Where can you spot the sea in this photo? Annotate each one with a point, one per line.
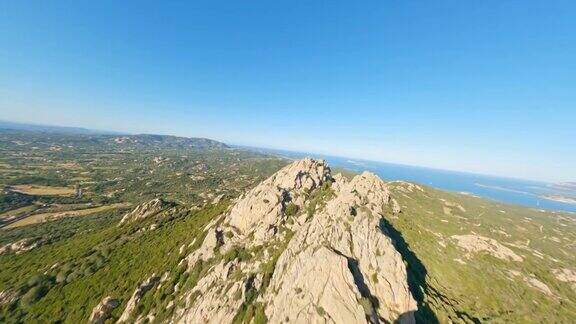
(506, 190)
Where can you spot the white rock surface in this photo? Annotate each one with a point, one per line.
(20, 246)
(102, 311)
(260, 211)
(339, 267)
(145, 210)
(347, 229)
(472, 243)
(142, 289)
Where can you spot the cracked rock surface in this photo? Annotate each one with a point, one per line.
(303, 246)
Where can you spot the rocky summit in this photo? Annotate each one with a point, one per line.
(303, 246)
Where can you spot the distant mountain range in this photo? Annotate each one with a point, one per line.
(37, 135)
(54, 129)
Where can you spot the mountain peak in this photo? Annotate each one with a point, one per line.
(302, 246)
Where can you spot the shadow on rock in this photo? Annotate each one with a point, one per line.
(416, 275)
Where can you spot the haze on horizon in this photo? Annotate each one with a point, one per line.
(480, 87)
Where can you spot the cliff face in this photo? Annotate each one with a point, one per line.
(303, 246)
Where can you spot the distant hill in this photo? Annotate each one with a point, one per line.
(565, 186)
(53, 129)
(38, 136)
(164, 141)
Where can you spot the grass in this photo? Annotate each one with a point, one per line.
(478, 287)
(108, 260)
(19, 211)
(38, 190)
(39, 218)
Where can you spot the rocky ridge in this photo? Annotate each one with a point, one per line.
(301, 246)
(137, 295)
(102, 311)
(21, 246)
(146, 210)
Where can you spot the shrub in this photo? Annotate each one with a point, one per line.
(33, 295)
(38, 279)
(260, 316)
(291, 209)
(61, 276)
(236, 252)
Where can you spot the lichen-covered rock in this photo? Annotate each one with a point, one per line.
(566, 275)
(322, 289)
(102, 311)
(216, 298)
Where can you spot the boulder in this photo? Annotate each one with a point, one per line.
(102, 311)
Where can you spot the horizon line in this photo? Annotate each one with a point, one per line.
(115, 132)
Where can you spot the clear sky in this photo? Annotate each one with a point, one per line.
(483, 86)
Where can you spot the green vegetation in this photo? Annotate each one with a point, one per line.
(452, 284)
(12, 200)
(85, 267)
(78, 261)
(318, 197)
(291, 209)
(250, 310)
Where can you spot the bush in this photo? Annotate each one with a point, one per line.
(33, 295)
(236, 252)
(260, 316)
(40, 280)
(61, 276)
(291, 209)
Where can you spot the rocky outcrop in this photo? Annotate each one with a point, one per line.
(142, 289)
(367, 278)
(532, 282)
(8, 296)
(472, 243)
(146, 210)
(261, 210)
(20, 246)
(302, 246)
(566, 275)
(102, 311)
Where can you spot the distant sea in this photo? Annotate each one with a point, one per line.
(506, 190)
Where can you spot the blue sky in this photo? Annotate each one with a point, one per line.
(482, 86)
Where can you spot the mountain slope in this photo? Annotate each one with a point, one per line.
(476, 260)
